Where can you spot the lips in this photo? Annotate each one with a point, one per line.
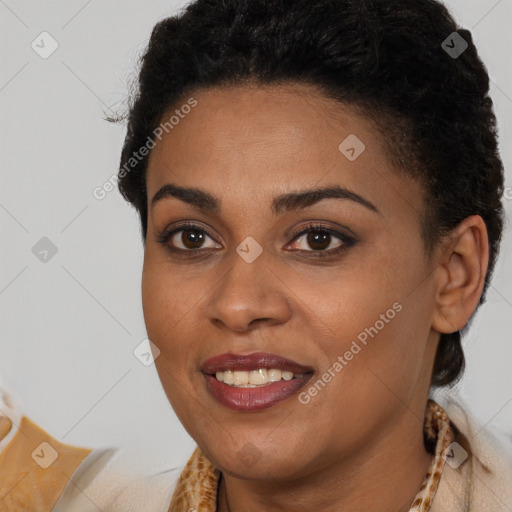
(254, 398)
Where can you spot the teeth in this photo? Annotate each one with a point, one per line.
(229, 378)
(254, 378)
(274, 375)
(240, 378)
(258, 377)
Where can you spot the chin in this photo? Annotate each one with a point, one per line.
(256, 457)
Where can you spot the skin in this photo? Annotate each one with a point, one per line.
(359, 442)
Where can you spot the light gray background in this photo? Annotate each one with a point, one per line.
(69, 326)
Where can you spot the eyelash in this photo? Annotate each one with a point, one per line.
(346, 240)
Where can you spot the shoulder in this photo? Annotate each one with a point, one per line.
(122, 479)
(37, 471)
(478, 470)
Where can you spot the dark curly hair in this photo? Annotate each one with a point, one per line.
(388, 58)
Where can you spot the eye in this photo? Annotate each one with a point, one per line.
(320, 238)
(185, 238)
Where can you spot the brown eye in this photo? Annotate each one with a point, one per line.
(186, 238)
(190, 239)
(320, 239)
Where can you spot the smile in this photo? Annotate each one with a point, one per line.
(255, 381)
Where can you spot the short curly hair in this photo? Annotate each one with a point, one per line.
(388, 58)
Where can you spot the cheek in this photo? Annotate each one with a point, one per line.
(370, 319)
(156, 299)
(370, 354)
(166, 307)
(168, 315)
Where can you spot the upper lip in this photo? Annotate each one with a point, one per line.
(254, 361)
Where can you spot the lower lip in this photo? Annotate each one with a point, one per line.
(255, 399)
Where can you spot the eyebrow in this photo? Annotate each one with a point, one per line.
(291, 201)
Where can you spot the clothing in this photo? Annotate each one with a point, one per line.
(123, 480)
(484, 483)
(118, 479)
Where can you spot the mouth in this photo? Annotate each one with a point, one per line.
(255, 381)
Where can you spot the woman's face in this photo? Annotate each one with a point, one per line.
(352, 301)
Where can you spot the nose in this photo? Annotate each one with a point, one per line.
(248, 295)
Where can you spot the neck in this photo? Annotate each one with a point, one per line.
(387, 472)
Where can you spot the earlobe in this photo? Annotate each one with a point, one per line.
(463, 266)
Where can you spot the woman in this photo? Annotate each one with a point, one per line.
(319, 187)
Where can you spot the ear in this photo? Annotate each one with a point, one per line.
(462, 268)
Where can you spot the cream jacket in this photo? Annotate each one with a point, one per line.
(484, 482)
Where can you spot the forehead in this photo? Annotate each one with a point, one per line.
(244, 142)
(287, 119)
